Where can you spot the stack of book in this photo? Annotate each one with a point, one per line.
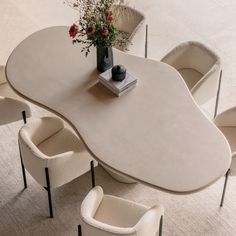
(117, 87)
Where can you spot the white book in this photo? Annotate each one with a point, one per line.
(115, 90)
(117, 86)
(118, 93)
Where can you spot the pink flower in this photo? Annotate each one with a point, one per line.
(105, 32)
(73, 30)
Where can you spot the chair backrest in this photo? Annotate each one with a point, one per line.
(41, 129)
(193, 55)
(127, 19)
(130, 21)
(11, 110)
(31, 135)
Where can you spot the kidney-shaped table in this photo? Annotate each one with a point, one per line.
(155, 133)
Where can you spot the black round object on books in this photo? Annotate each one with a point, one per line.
(118, 72)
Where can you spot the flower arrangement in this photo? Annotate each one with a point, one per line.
(96, 25)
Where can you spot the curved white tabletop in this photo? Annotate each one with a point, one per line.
(154, 133)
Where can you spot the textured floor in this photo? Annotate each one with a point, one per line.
(170, 22)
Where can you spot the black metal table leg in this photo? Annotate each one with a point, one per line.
(23, 168)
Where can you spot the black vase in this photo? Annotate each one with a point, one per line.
(104, 58)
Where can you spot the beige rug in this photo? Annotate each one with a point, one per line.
(170, 22)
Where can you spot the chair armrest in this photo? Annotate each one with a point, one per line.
(91, 202)
(34, 160)
(65, 167)
(206, 88)
(172, 57)
(149, 223)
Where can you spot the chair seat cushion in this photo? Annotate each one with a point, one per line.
(190, 76)
(61, 142)
(124, 213)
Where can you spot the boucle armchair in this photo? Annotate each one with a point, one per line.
(12, 110)
(200, 68)
(106, 215)
(131, 22)
(226, 122)
(53, 154)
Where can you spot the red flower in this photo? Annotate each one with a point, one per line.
(105, 32)
(109, 19)
(73, 30)
(90, 30)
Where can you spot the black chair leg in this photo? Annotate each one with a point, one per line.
(22, 165)
(218, 95)
(24, 116)
(146, 42)
(92, 173)
(79, 230)
(224, 189)
(48, 188)
(23, 169)
(160, 226)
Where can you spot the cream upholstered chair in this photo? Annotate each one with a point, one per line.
(131, 22)
(200, 68)
(12, 110)
(105, 215)
(52, 154)
(226, 122)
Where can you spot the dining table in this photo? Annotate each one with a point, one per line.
(154, 133)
